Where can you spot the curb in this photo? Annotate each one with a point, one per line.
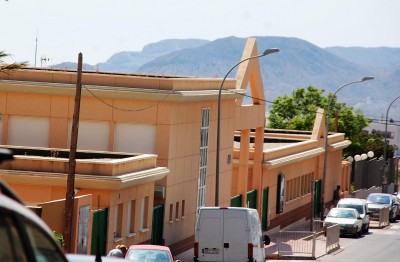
(273, 256)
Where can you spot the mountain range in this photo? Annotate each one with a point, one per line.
(298, 64)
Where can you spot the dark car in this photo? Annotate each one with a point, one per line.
(377, 201)
(24, 236)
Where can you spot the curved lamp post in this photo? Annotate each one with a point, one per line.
(326, 138)
(266, 52)
(384, 146)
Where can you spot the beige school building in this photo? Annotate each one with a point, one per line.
(147, 153)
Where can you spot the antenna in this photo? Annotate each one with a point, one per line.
(43, 60)
(36, 45)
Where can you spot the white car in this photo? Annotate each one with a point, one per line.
(348, 218)
(361, 206)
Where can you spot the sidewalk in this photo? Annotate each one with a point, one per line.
(271, 251)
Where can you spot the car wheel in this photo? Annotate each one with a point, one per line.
(366, 230)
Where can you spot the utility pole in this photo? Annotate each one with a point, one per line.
(70, 195)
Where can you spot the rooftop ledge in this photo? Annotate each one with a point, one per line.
(97, 163)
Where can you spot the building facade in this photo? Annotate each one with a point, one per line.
(174, 118)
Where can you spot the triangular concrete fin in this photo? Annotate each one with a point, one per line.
(249, 73)
(319, 125)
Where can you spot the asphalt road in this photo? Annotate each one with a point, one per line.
(382, 245)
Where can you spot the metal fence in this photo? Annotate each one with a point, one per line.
(370, 173)
(316, 242)
(332, 238)
(291, 243)
(364, 193)
(379, 217)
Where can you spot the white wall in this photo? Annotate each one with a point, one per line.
(28, 131)
(135, 138)
(92, 135)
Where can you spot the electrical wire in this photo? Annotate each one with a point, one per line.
(306, 111)
(128, 110)
(228, 90)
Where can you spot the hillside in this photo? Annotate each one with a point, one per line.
(379, 57)
(298, 64)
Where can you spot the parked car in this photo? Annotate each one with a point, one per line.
(24, 236)
(229, 234)
(362, 208)
(377, 201)
(349, 220)
(149, 253)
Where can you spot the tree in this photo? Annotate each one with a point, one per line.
(375, 142)
(4, 68)
(298, 112)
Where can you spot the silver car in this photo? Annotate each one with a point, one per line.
(377, 201)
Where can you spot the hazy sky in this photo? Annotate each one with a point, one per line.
(99, 28)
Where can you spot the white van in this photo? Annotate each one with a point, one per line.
(229, 234)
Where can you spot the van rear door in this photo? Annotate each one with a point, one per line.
(235, 239)
(210, 235)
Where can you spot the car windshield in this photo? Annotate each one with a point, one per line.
(148, 255)
(341, 213)
(359, 208)
(378, 199)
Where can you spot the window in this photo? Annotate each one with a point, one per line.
(131, 137)
(298, 187)
(39, 129)
(177, 211)
(131, 217)
(205, 124)
(14, 228)
(280, 193)
(144, 213)
(183, 208)
(171, 208)
(10, 242)
(118, 221)
(44, 249)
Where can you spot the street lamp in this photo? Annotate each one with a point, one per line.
(384, 146)
(326, 138)
(266, 52)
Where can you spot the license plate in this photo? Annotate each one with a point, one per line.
(211, 250)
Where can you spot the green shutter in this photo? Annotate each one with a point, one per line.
(264, 211)
(252, 199)
(236, 201)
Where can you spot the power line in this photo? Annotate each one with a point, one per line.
(128, 110)
(267, 101)
(306, 111)
(228, 90)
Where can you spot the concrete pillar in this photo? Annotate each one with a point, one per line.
(244, 165)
